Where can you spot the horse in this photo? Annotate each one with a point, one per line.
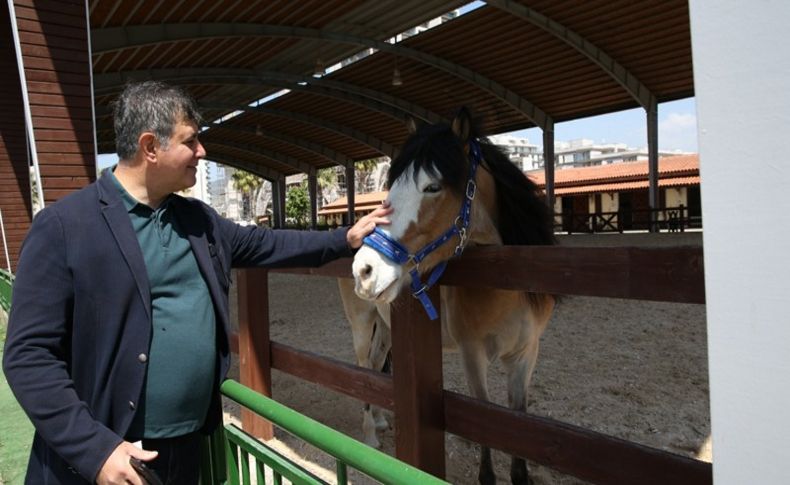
(451, 188)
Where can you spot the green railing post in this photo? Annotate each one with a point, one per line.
(342, 473)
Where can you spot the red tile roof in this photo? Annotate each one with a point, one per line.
(625, 186)
(362, 202)
(674, 166)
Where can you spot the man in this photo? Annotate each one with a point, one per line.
(118, 330)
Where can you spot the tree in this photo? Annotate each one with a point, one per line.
(249, 185)
(327, 185)
(297, 204)
(364, 170)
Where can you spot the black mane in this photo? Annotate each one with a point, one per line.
(524, 218)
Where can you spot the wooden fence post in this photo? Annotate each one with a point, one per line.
(254, 344)
(418, 384)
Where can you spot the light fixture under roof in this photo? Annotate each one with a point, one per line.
(319, 69)
(396, 79)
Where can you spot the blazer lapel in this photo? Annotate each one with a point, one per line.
(117, 218)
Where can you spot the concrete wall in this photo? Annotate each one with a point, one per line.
(741, 73)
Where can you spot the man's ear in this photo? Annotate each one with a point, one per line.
(147, 144)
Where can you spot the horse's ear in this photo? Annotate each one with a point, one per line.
(462, 124)
(411, 125)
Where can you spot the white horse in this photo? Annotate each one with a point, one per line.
(440, 196)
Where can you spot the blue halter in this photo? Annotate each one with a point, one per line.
(397, 253)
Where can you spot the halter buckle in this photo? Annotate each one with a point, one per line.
(413, 259)
(419, 292)
(471, 188)
(462, 243)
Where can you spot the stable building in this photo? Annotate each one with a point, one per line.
(614, 197)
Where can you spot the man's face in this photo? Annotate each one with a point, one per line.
(177, 164)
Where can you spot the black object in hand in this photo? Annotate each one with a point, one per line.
(148, 475)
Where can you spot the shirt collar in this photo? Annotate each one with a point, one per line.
(128, 199)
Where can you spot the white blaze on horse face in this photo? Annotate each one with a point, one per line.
(376, 277)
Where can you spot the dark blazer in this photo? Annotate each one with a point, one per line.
(81, 318)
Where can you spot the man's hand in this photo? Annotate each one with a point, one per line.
(118, 470)
(366, 224)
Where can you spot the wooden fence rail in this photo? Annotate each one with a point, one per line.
(424, 411)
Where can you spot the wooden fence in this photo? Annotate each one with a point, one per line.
(671, 219)
(424, 411)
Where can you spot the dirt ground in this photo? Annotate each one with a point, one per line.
(630, 369)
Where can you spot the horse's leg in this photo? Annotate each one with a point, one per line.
(519, 369)
(519, 365)
(380, 356)
(361, 315)
(475, 361)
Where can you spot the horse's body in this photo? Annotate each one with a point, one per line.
(428, 185)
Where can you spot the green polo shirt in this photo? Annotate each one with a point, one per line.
(182, 358)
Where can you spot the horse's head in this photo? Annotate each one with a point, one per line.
(427, 188)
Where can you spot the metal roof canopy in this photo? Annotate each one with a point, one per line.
(515, 64)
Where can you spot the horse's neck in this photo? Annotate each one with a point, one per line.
(483, 226)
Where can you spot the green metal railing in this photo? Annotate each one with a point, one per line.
(6, 282)
(348, 452)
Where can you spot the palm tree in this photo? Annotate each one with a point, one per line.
(327, 185)
(364, 170)
(249, 185)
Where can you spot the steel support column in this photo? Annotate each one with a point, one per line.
(281, 196)
(312, 188)
(276, 209)
(652, 153)
(350, 192)
(548, 164)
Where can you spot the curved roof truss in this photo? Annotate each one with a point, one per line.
(114, 39)
(627, 80)
(114, 82)
(345, 130)
(266, 153)
(350, 132)
(319, 150)
(259, 170)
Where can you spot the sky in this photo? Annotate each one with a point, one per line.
(677, 129)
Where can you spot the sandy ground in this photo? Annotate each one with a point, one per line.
(631, 369)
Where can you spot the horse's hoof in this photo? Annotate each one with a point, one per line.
(382, 425)
(373, 443)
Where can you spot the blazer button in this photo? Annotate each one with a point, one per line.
(142, 358)
(131, 405)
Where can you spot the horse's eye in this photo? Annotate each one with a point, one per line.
(432, 188)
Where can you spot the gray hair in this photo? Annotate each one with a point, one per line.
(150, 106)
